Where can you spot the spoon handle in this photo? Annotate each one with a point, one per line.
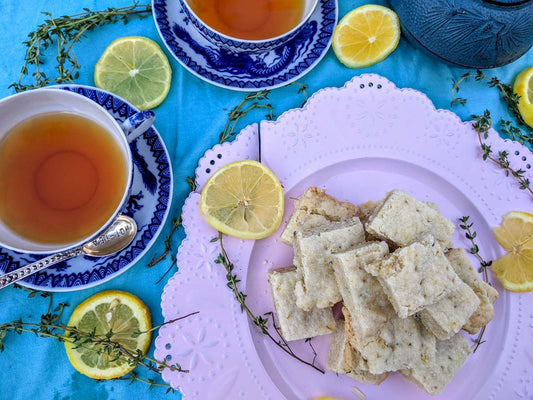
(27, 270)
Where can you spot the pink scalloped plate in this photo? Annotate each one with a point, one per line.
(357, 142)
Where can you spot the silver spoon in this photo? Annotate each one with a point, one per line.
(119, 235)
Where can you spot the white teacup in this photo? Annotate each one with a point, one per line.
(240, 45)
(23, 107)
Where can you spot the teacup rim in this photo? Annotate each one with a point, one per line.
(62, 247)
(302, 22)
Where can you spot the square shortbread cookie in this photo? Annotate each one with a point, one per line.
(402, 220)
(362, 293)
(434, 376)
(313, 209)
(401, 343)
(341, 359)
(295, 323)
(485, 292)
(415, 276)
(312, 255)
(446, 317)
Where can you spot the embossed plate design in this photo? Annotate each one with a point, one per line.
(246, 72)
(358, 142)
(149, 204)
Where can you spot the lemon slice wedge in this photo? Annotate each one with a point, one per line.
(136, 69)
(114, 311)
(366, 36)
(523, 86)
(515, 234)
(243, 199)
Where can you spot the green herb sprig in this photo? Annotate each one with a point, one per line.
(506, 92)
(64, 32)
(50, 326)
(482, 125)
(471, 235)
(242, 109)
(102, 344)
(260, 321)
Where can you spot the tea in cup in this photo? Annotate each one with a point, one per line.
(246, 25)
(65, 170)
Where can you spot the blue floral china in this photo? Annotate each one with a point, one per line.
(148, 204)
(248, 46)
(245, 71)
(469, 33)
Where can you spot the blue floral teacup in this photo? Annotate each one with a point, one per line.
(243, 45)
(58, 181)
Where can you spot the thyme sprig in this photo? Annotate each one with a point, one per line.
(32, 293)
(471, 236)
(65, 32)
(506, 92)
(156, 259)
(260, 321)
(482, 125)
(302, 90)
(242, 109)
(50, 327)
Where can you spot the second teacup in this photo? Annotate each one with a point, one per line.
(65, 169)
(246, 26)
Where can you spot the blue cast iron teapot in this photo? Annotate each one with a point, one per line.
(469, 33)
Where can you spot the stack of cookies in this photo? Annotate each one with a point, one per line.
(406, 292)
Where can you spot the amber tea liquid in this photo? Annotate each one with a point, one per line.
(62, 176)
(250, 19)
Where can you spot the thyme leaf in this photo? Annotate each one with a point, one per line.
(471, 235)
(240, 111)
(482, 125)
(506, 92)
(65, 32)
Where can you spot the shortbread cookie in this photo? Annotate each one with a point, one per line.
(295, 323)
(401, 344)
(313, 209)
(362, 293)
(402, 220)
(341, 355)
(317, 286)
(415, 276)
(432, 377)
(485, 292)
(446, 317)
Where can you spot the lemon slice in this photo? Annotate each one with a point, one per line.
(136, 69)
(515, 234)
(123, 314)
(243, 199)
(366, 36)
(523, 86)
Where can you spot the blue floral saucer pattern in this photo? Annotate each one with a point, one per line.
(245, 71)
(149, 204)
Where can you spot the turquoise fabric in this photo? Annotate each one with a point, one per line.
(189, 121)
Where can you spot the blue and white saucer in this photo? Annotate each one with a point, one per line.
(149, 204)
(246, 72)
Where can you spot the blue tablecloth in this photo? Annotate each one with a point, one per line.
(189, 121)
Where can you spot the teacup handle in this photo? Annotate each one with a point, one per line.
(137, 124)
